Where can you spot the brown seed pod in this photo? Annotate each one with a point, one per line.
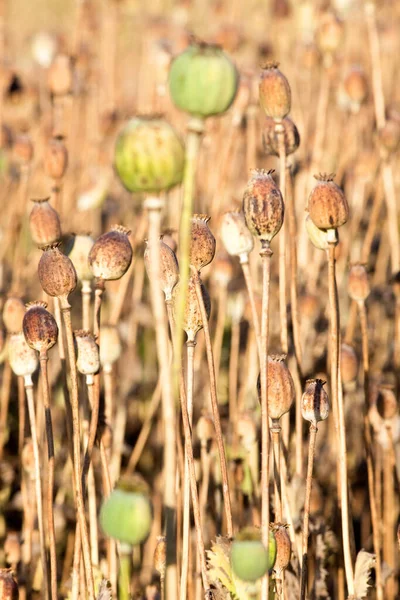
(223, 271)
(263, 206)
(275, 94)
(160, 555)
(12, 548)
(192, 322)
(39, 327)
(236, 236)
(57, 275)
(56, 158)
(327, 203)
(315, 402)
(44, 223)
(78, 251)
(88, 355)
(202, 242)
(280, 387)
(358, 283)
(8, 585)
(13, 314)
(348, 363)
(168, 238)
(23, 148)
(205, 429)
(23, 359)
(329, 33)
(110, 345)
(386, 402)
(60, 75)
(111, 254)
(270, 137)
(283, 547)
(247, 430)
(169, 274)
(356, 86)
(389, 137)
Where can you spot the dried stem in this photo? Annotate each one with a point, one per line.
(280, 131)
(4, 401)
(220, 326)
(377, 85)
(276, 434)
(304, 569)
(86, 295)
(392, 219)
(244, 261)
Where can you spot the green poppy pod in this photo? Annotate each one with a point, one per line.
(149, 155)
(203, 80)
(126, 516)
(250, 559)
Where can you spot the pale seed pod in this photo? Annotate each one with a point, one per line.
(13, 314)
(60, 75)
(318, 237)
(283, 548)
(160, 555)
(88, 355)
(236, 236)
(205, 429)
(202, 242)
(111, 254)
(280, 387)
(167, 238)
(44, 223)
(274, 91)
(23, 359)
(389, 137)
(247, 430)
(23, 148)
(327, 203)
(192, 322)
(169, 269)
(12, 548)
(110, 345)
(263, 206)
(356, 86)
(39, 327)
(348, 363)
(386, 402)
(78, 252)
(329, 34)
(270, 136)
(358, 283)
(8, 585)
(57, 275)
(56, 158)
(315, 402)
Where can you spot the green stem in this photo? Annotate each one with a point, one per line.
(124, 576)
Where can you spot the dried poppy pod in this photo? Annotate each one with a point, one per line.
(283, 548)
(223, 271)
(389, 137)
(348, 363)
(44, 223)
(329, 34)
(8, 585)
(358, 283)
(12, 548)
(205, 429)
(110, 345)
(88, 355)
(318, 237)
(386, 402)
(263, 206)
(327, 203)
(13, 314)
(111, 254)
(57, 275)
(60, 75)
(23, 148)
(280, 387)
(56, 158)
(356, 86)
(168, 238)
(274, 91)
(23, 359)
(78, 251)
(236, 236)
(169, 269)
(270, 136)
(192, 322)
(39, 327)
(315, 402)
(202, 242)
(247, 430)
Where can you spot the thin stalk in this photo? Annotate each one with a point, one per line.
(86, 295)
(233, 374)
(377, 85)
(215, 409)
(304, 550)
(391, 207)
(4, 402)
(124, 576)
(98, 296)
(220, 326)
(276, 434)
(280, 131)
(389, 515)
(244, 261)
(94, 418)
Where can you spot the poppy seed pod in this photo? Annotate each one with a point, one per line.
(78, 251)
(203, 81)
(283, 547)
(250, 559)
(275, 94)
(23, 148)
(8, 585)
(88, 356)
(236, 236)
(149, 155)
(327, 203)
(23, 359)
(56, 158)
(356, 86)
(263, 206)
(329, 33)
(169, 269)
(358, 284)
(57, 275)
(12, 548)
(44, 223)
(202, 242)
(192, 322)
(111, 254)
(270, 137)
(386, 402)
(110, 345)
(315, 402)
(348, 363)
(205, 429)
(389, 137)
(280, 387)
(126, 516)
(60, 75)
(13, 314)
(39, 327)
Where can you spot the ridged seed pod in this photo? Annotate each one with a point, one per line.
(270, 136)
(348, 363)
(283, 548)
(192, 322)
(327, 203)
(8, 585)
(44, 223)
(280, 387)
(386, 402)
(56, 272)
(111, 254)
(23, 359)
(250, 559)
(315, 402)
(263, 206)
(56, 158)
(78, 251)
(110, 345)
(39, 327)
(275, 94)
(236, 236)
(202, 242)
(13, 314)
(203, 81)
(358, 283)
(88, 355)
(169, 274)
(149, 155)
(59, 76)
